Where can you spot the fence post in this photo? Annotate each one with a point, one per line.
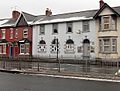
(19, 64)
(38, 66)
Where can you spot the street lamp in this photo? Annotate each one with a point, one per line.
(57, 55)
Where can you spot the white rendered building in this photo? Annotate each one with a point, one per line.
(75, 33)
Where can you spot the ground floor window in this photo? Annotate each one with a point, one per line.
(3, 48)
(108, 45)
(69, 46)
(55, 46)
(24, 48)
(42, 46)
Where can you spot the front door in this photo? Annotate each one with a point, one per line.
(86, 49)
(11, 51)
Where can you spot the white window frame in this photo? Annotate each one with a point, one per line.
(16, 33)
(22, 48)
(3, 34)
(11, 34)
(110, 45)
(26, 50)
(69, 24)
(86, 25)
(69, 48)
(4, 48)
(42, 30)
(25, 33)
(55, 27)
(103, 23)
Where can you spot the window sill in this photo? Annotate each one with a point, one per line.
(69, 32)
(108, 52)
(106, 30)
(41, 34)
(85, 31)
(54, 33)
(24, 54)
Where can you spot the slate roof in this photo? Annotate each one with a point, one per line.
(12, 22)
(86, 14)
(117, 9)
(39, 18)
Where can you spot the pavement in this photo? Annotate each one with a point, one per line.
(63, 74)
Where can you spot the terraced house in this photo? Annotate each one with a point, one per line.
(16, 35)
(78, 35)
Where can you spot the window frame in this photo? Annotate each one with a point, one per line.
(112, 23)
(55, 27)
(26, 50)
(3, 34)
(11, 34)
(69, 25)
(25, 33)
(86, 26)
(102, 45)
(42, 29)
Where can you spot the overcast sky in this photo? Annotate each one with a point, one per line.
(38, 7)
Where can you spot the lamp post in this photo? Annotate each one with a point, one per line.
(57, 55)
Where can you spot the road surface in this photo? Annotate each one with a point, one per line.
(21, 82)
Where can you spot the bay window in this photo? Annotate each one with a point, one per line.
(108, 45)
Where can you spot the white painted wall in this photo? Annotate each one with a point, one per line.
(62, 37)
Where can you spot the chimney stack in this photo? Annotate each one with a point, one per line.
(48, 12)
(15, 15)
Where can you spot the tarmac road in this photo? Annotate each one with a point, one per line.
(21, 82)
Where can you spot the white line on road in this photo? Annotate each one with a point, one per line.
(81, 78)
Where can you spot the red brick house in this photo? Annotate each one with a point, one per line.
(16, 35)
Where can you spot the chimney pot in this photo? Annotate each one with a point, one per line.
(48, 12)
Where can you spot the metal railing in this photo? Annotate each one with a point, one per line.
(64, 65)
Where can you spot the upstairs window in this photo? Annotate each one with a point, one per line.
(85, 26)
(55, 28)
(11, 34)
(16, 33)
(25, 33)
(108, 23)
(3, 34)
(42, 29)
(69, 27)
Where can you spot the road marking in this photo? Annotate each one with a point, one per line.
(81, 78)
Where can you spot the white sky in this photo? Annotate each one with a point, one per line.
(38, 7)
